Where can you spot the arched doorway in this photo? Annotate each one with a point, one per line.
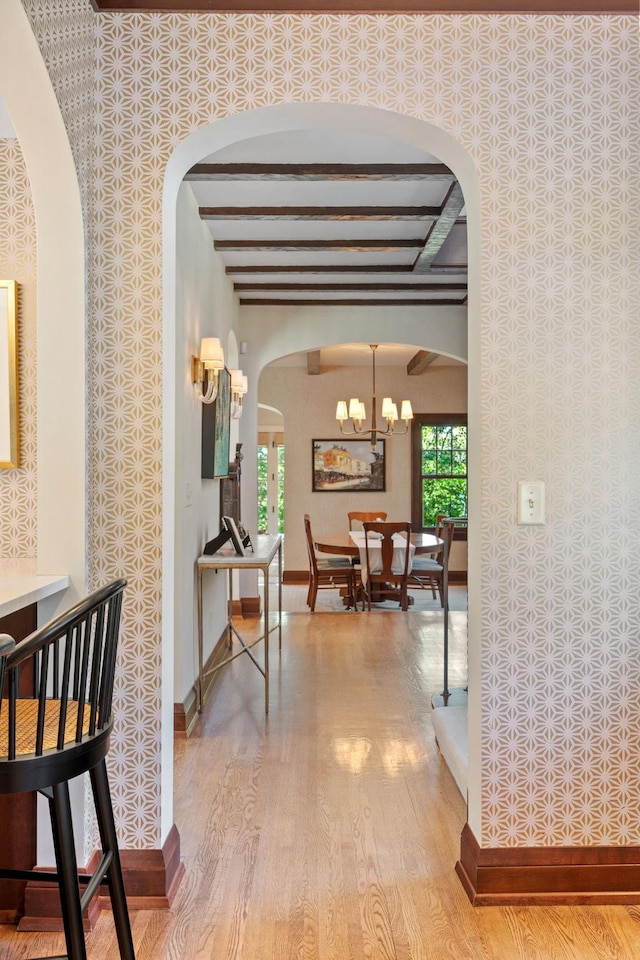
(274, 339)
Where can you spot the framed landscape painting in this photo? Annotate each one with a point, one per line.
(341, 465)
(9, 455)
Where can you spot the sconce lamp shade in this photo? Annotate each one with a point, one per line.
(236, 379)
(205, 368)
(239, 387)
(211, 353)
(406, 411)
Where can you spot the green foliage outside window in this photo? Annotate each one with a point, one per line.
(263, 508)
(263, 484)
(281, 489)
(443, 471)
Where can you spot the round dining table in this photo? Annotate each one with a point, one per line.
(342, 544)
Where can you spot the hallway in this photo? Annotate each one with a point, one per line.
(332, 833)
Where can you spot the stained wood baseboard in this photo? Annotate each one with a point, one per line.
(250, 606)
(151, 879)
(547, 876)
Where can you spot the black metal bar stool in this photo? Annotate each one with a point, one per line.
(57, 734)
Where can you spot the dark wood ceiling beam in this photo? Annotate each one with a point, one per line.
(562, 7)
(372, 287)
(355, 302)
(440, 229)
(453, 204)
(341, 268)
(354, 246)
(313, 363)
(211, 172)
(419, 362)
(442, 269)
(321, 268)
(320, 213)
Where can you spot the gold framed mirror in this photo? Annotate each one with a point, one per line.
(9, 441)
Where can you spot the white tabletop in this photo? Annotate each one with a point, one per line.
(265, 547)
(19, 589)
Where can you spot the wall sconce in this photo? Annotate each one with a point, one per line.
(205, 368)
(239, 386)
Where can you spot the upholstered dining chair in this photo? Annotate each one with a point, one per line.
(358, 517)
(328, 574)
(59, 731)
(385, 572)
(427, 573)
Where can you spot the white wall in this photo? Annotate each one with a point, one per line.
(205, 306)
(308, 404)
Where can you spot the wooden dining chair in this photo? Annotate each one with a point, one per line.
(358, 517)
(383, 579)
(328, 573)
(59, 732)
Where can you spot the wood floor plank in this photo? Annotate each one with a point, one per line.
(330, 831)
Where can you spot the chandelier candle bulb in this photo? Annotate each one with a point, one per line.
(388, 406)
(357, 413)
(406, 411)
(354, 409)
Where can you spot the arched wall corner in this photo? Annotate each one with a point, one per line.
(26, 89)
(282, 118)
(61, 445)
(276, 332)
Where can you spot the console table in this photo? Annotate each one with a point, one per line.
(266, 549)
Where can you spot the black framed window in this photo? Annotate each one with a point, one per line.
(439, 453)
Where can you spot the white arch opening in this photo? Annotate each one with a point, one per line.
(283, 118)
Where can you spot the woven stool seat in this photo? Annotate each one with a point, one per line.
(27, 714)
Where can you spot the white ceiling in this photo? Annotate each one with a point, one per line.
(282, 251)
(303, 235)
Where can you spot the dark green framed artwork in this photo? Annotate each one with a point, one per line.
(216, 426)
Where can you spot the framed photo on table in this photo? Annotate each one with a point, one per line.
(232, 528)
(339, 466)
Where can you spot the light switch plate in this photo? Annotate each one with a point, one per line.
(531, 501)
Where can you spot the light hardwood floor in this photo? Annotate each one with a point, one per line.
(331, 831)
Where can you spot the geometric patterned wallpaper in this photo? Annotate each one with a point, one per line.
(18, 261)
(549, 109)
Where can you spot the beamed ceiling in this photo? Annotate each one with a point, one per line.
(375, 6)
(312, 218)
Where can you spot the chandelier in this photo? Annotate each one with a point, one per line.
(357, 414)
